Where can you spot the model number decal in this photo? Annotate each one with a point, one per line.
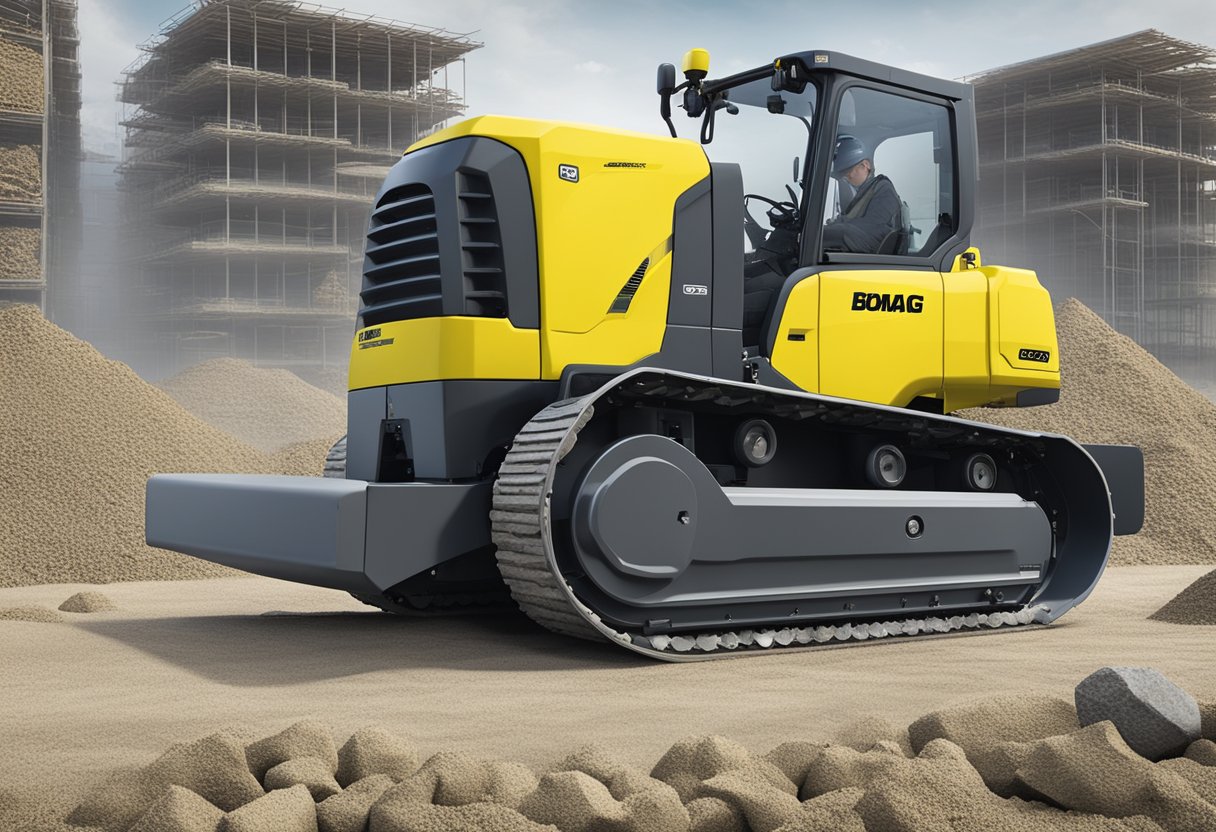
(369, 335)
(885, 302)
(1042, 356)
(695, 289)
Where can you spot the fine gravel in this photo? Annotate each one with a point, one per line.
(1061, 777)
(1194, 605)
(20, 252)
(1114, 392)
(81, 436)
(21, 78)
(269, 409)
(20, 172)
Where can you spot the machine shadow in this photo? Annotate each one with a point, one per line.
(281, 648)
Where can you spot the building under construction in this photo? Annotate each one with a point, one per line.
(1098, 169)
(39, 149)
(258, 132)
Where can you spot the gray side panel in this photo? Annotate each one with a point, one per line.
(692, 258)
(728, 246)
(305, 529)
(454, 425)
(728, 354)
(412, 527)
(365, 409)
(685, 348)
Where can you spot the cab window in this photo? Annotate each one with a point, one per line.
(892, 187)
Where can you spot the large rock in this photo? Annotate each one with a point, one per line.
(574, 801)
(304, 739)
(473, 817)
(1094, 770)
(283, 810)
(622, 781)
(1157, 718)
(457, 779)
(375, 751)
(690, 762)
(348, 810)
(310, 772)
(179, 810)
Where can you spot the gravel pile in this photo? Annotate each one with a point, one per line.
(1114, 392)
(21, 78)
(1194, 605)
(268, 409)
(81, 435)
(1021, 763)
(19, 252)
(20, 172)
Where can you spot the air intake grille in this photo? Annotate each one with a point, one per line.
(402, 278)
(485, 289)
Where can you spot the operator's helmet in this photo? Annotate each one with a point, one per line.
(849, 151)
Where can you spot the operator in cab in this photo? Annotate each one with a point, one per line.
(872, 216)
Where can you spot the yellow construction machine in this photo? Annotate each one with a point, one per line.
(692, 397)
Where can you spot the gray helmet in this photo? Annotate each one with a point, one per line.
(849, 151)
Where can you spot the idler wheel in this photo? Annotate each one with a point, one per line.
(980, 473)
(638, 515)
(755, 443)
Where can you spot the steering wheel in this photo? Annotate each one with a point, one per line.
(779, 213)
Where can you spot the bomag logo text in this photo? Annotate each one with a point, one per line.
(886, 302)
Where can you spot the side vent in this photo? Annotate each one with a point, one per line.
(485, 289)
(401, 274)
(625, 297)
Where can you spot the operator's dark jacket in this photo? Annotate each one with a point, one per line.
(872, 214)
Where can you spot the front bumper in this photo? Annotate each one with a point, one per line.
(345, 534)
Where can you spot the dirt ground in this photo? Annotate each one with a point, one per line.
(178, 660)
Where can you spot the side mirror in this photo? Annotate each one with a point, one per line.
(667, 79)
(666, 86)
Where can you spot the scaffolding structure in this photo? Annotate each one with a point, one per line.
(40, 150)
(257, 134)
(1098, 170)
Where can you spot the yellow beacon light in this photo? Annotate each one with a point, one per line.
(696, 64)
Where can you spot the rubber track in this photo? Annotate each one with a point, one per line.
(520, 507)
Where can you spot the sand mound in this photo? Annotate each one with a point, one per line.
(81, 436)
(37, 614)
(88, 602)
(1194, 605)
(1114, 392)
(268, 409)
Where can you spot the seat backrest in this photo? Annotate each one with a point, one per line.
(899, 239)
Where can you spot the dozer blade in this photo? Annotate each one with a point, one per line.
(607, 532)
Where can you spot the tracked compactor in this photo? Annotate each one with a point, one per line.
(588, 377)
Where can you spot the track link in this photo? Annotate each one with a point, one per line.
(519, 521)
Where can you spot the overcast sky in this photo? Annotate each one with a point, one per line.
(595, 61)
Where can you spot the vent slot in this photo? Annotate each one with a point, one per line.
(625, 297)
(402, 278)
(482, 269)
